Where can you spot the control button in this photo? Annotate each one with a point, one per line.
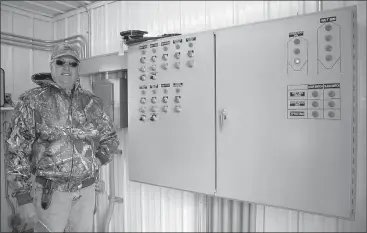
(331, 114)
(154, 50)
(165, 90)
(142, 69)
(178, 46)
(297, 61)
(142, 60)
(143, 100)
(190, 53)
(329, 57)
(165, 48)
(296, 41)
(142, 109)
(178, 109)
(154, 109)
(177, 55)
(154, 100)
(178, 90)
(328, 37)
(142, 118)
(165, 57)
(296, 51)
(165, 99)
(153, 117)
(191, 44)
(142, 77)
(190, 63)
(331, 94)
(143, 52)
(154, 91)
(153, 77)
(165, 109)
(315, 94)
(177, 65)
(154, 58)
(143, 92)
(315, 104)
(315, 114)
(328, 48)
(154, 67)
(331, 104)
(177, 99)
(165, 66)
(328, 27)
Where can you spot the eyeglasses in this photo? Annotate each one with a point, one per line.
(63, 63)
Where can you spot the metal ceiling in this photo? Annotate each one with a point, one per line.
(47, 8)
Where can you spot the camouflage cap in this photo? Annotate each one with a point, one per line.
(65, 49)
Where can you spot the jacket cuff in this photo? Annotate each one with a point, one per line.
(25, 198)
(104, 159)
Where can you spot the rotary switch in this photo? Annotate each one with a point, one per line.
(165, 99)
(153, 117)
(142, 118)
(142, 77)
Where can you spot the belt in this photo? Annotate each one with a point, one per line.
(85, 183)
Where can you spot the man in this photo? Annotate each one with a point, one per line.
(60, 136)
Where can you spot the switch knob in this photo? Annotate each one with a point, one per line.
(178, 109)
(315, 94)
(143, 77)
(177, 46)
(142, 118)
(165, 66)
(165, 48)
(142, 69)
(142, 60)
(165, 109)
(153, 117)
(165, 99)
(331, 93)
(154, 67)
(190, 53)
(191, 44)
(177, 99)
(165, 57)
(143, 100)
(153, 109)
(153, 77)
(177, 65)
(154, 58)
(142, 109)
(154, 100)
(331, 104)
(177, 55)
(331, 114)
(315, 104)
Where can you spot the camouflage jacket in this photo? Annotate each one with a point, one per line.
(60, 135)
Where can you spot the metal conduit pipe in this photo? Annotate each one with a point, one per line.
(45, 45)
(24, 41)
(7, 42)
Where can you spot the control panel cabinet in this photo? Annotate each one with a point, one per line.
(287, 123)
(264, 113)
(172, 112)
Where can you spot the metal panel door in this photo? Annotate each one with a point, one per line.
(286, 131)
(171, 113)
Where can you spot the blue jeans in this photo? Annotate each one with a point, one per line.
(67, 209)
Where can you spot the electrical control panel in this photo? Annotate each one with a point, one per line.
(172, 113)
(263, 113)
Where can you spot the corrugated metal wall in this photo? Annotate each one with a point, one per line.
(149, 208)
(19, 64)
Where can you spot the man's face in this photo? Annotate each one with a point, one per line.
(65, 71)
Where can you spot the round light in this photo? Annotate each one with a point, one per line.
(296, 51)
(297, 61)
